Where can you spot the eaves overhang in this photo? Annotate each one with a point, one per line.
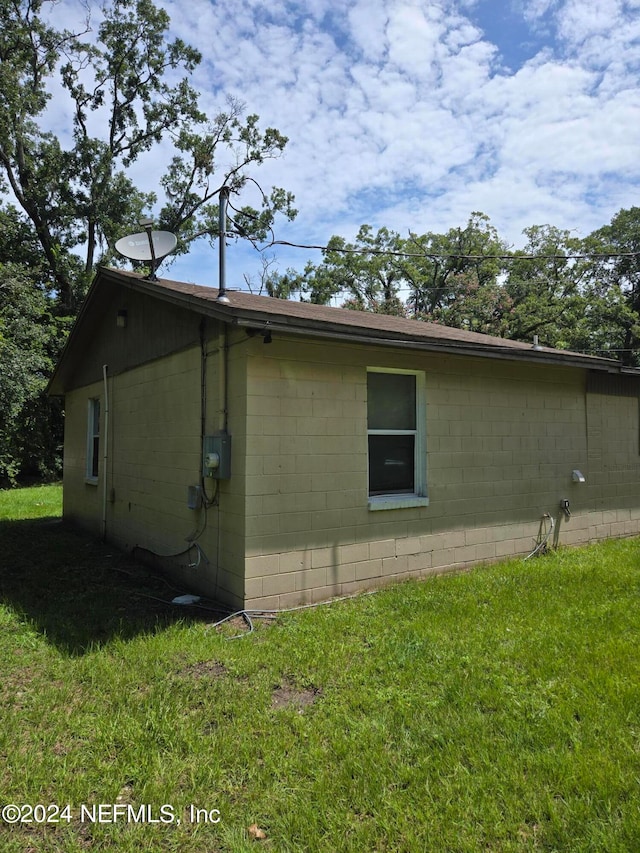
(305, 320)
(285, 323)
(374, 338)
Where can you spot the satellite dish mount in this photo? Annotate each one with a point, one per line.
(151, 246)
(147, 224)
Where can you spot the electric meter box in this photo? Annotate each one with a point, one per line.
(216, 456)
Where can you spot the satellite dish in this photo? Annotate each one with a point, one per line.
(138, 247)
(148, 245)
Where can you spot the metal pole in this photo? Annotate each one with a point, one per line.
(222, 248)
(147, 224)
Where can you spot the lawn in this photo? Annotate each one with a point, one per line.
(497, 710)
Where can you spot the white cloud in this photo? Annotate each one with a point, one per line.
(399, 114)
(368, 21)
(580, 21)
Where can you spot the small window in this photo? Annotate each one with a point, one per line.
(396, 438)
(93, 439)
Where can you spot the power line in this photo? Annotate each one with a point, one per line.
(434, 256)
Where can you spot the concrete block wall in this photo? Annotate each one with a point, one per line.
(502, 442)
(154, 455)
(614, 448)
(82, 501)
(293, 524)
(154, 452)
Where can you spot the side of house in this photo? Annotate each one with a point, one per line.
(355, 460)
(496, 446)
(135, 414)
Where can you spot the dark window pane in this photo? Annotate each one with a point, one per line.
(391, 401)
(391, 464)
(95, 456)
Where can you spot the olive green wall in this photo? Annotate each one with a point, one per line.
(502, 441)
(152, 329)
(154, 455)
(294, 524)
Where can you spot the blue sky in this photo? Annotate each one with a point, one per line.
(517, 36)
(411, 115)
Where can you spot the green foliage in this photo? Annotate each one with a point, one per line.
(368, 272)
(573, 293)
(544, 286)
(422, 275)
(80, 197)
(614, 286)
(190, 188)
(272, 283)
(467, 256)
(30, 339)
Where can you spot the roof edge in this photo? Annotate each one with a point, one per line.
(246, 318)
(329, 329)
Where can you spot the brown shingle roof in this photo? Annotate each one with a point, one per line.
(282, 316)
(246, 309)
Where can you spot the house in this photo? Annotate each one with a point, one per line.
(272, 453)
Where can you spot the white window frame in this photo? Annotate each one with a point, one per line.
(419, 496)
(91, 476)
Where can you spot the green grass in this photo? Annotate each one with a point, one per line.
(36, 502)
(497, 710)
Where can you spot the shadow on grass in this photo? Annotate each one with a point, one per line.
(78, 592)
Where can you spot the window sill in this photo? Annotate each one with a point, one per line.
(396, 502)
(91, 481)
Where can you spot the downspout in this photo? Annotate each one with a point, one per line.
(223, 421)
(105, 452)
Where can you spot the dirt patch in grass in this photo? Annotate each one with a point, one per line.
(203, 669)
(288, 695)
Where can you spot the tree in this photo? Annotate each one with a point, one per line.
(126, 87)
(30, 338)
(544, 286)
(476, 307)
(76, 193)
(448, 278)
(443, 267)
(273, 283)
(367, 272)
(612, 324)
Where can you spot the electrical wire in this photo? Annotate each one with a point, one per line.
(192, 544)
(248, 615)
(434, 256)
(542, 538)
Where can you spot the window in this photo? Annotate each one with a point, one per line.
(93, 439)
(396, 435)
